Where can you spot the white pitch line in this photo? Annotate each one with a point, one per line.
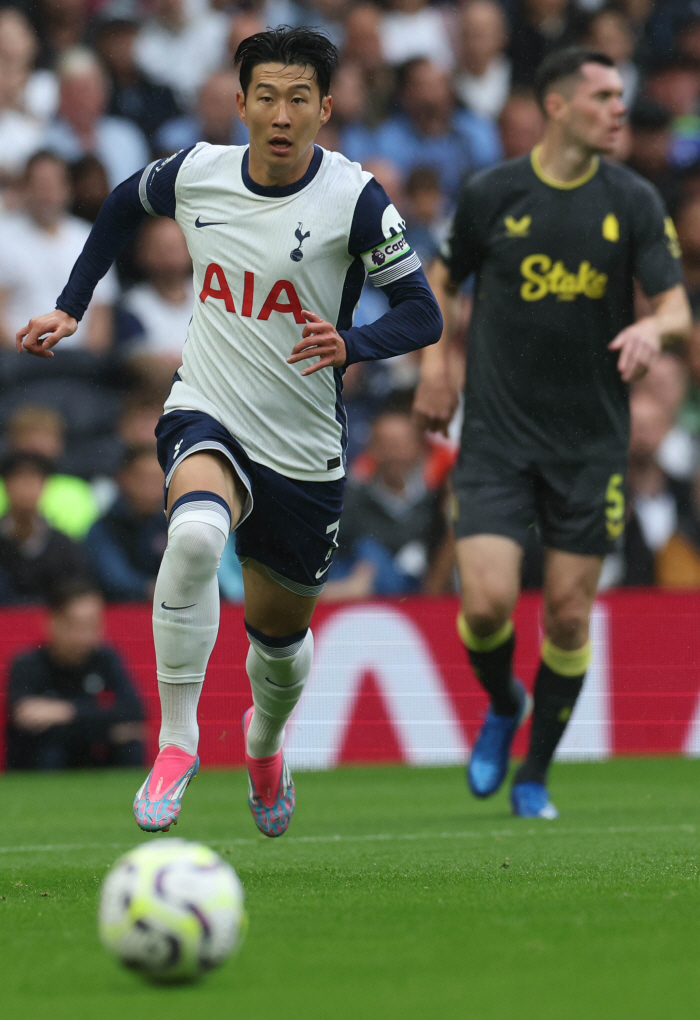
(384, 837)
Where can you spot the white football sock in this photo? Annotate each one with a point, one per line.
(277, 679)
(186, 611)
(178, 708)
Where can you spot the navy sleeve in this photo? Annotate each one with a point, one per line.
(377, 239)
(413, 321)
(377, 236)
(147, 192)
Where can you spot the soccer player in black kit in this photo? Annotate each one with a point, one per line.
(556, 240)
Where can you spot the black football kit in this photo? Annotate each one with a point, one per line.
(546, 419)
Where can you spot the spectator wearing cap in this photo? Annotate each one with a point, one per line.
(133, 94)
(66, 502)
(482, 81)
(126, 545)
(38, 248)
(83, 126)
(70, 702)
(432, 131)
(34, 557)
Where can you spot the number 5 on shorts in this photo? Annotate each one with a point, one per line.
(615, 507)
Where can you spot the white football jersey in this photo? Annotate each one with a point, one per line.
(261, 256)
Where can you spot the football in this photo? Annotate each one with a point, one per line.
(171, 910)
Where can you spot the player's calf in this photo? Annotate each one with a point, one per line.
(557, 686)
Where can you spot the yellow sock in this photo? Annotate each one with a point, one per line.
(565, 663)
(485, 644)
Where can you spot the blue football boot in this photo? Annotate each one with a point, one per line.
(488, 763)
(531, 800)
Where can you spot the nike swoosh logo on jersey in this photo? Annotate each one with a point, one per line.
(171, 608)
(213, 223)
(320, 573)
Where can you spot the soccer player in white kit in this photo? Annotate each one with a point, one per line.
(282, 234)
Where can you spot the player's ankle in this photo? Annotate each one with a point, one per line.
(530, 772)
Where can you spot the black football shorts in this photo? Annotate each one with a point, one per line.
(579, 506)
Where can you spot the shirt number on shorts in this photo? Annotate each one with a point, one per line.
(615, 507)
(332, 529)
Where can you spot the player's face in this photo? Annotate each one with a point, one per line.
(593, 116)
(283, 110)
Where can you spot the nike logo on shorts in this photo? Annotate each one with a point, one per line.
(213, 223)
(320, 573)
(172, 608)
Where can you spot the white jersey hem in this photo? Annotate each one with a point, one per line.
(298, 476)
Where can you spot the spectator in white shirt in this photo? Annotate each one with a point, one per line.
(36, 90)
(162, 306)
(412, 29)
(38, 248)
(82, 127)
(20, 132)
(181, 48)
(483, 81)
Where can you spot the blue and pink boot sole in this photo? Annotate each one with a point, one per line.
(271, 819)
(157, 804)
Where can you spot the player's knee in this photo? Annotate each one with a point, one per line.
(487, 616)
(198, 546)
(567, 624)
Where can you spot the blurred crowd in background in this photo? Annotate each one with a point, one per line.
(92, 90)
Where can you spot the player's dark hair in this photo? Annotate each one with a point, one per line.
(564, 64)
(284, 45)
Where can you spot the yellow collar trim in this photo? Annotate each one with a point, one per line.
(562, 185)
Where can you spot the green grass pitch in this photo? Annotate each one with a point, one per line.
(394, 895)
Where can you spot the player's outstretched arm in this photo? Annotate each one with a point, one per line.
(436, 396)
(43, 332)
(150, 190)
(640, 343)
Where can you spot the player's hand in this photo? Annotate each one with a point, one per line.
(435, 402)
(639, 345)
(38, 714)
(320, 340)
(44, 332)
